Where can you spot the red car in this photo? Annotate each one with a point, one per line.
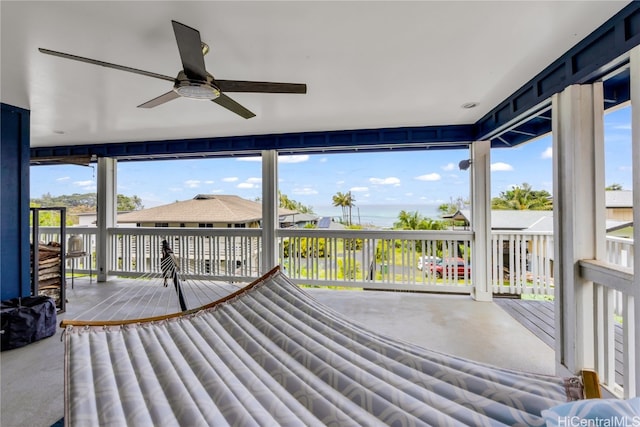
(449, 266)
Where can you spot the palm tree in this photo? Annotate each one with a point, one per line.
(415, 221)
(339, 200)
(523, 198)
(350, 204)
(345, 201)
(407, 220)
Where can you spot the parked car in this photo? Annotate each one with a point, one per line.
(449, 266)
(427, 260)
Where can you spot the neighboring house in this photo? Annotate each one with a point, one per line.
(298, 220)
(87, 219)
(619, 206)
(203, 211)
(302, 220)
(511, 220)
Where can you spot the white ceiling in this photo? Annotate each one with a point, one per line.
(366, 64)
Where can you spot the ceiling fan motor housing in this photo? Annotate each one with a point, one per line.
(196, 89)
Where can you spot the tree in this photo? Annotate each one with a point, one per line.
(454, 205)
(285, 202)
(614, 187)
(132, 203)
(415, 221)
(346, 202)
(523, 198)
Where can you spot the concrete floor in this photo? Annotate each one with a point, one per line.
(32, 377)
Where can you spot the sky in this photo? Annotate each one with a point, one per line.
(397, 179)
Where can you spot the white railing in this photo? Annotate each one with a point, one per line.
(81, 265)
(378, 259)
(613, 329)
(522, 263)
(390, 260)
(231, 254)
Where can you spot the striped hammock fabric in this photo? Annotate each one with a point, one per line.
(271, 355)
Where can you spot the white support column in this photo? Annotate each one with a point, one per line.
(481, 220)
(107, 206)
(579, 218)
(269, 209)
(634, 371)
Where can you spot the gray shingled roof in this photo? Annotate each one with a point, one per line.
(515, 219)
(203, 208)
(619, 199)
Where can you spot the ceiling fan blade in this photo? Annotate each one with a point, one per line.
(106, 64)
(190, 48)
(160, 100)
(233, 106)
(264, 87)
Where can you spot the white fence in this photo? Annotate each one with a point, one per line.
(388, 260)
(522, 263)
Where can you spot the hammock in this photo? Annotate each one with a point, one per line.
(270, 354)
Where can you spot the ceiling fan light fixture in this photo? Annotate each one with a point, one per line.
(198, 91)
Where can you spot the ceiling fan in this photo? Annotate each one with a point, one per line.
(194, 81)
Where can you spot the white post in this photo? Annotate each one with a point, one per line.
(579, 218)
(107, 207)
(269, 209)
(634, 369)
(481, 220)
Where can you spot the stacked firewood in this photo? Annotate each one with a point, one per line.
(49, 270)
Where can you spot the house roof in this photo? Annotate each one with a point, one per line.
(203, 208)
(619, 199)
(540, 221)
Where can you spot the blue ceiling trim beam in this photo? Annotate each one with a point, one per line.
(598, 54)
(456, 136)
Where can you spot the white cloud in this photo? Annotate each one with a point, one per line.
(548, 153)
(293, 159)
(429, 177)
(306, 191)
(392, 180)
(359, 189)
(254, 180)
(64, 178)
(230, 179)
(339, 182)
(249, 159)
(449, 167)
(501, 167)
(246, 185)
(192, 183)
(210, 181)
(87, 185)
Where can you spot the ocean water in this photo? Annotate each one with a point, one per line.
(379, 215)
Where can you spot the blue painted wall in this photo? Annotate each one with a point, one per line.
(15, 278)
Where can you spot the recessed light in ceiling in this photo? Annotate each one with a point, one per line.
(469, 105)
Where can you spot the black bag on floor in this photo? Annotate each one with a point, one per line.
(25, 320)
